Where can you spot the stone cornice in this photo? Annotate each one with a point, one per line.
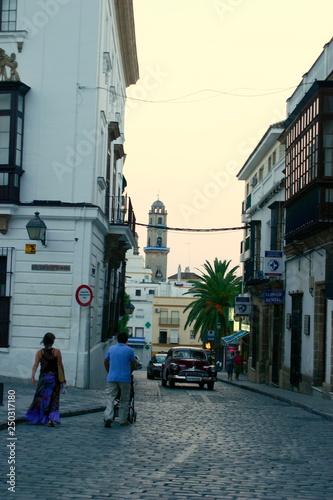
(126, 28)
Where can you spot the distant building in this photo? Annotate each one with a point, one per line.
(158, 319)
(169, 317)
(156, 250)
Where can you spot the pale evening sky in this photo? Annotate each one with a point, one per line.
(214, 74)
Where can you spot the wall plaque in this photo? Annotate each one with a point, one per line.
(50, 267)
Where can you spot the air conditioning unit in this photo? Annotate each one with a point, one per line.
(253, 181)
(157, 310)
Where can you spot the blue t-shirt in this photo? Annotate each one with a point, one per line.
(120, 356)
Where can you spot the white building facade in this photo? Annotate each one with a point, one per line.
(291, 344)
(263, 174)
(308, 138)
(65, 68)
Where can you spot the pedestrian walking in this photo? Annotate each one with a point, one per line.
(238, 364)
(44, 408)
(119, 363)
(230, 364)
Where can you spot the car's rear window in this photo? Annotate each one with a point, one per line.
(189, 354)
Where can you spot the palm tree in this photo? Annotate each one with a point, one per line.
(215, 292)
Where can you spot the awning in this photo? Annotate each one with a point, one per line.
(234, 337)
(136, 341)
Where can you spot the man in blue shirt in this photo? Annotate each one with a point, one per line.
(119, 362)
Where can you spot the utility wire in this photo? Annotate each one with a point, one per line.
(211, 230)
(177, 100)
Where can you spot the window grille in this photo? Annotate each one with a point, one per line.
(6, 274)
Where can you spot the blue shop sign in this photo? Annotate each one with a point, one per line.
(274, 296)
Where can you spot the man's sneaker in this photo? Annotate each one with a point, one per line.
(107, 423)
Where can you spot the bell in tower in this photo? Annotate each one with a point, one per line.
(156, 250)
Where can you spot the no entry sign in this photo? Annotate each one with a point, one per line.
(84, 295)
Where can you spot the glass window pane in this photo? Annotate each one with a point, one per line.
(328, 104)
(19, 125)
(4, 123)
(5, 101)
(4, 153)
(20, 103)
(4, 179)
(4, 140)
(18, 158)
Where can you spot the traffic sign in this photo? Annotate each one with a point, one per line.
(273, 263)
(242, 306)
(84, 295)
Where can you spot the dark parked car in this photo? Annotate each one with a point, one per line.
(155, 365)
(138, 363)
(187, 365)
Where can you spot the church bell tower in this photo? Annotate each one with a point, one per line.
(156, 250)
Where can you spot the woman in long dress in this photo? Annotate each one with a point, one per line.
(45, 406)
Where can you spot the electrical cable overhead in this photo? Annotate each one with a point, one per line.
(231, 92)
(209, 230)
(178, 100)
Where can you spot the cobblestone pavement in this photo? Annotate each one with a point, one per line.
(187, 443)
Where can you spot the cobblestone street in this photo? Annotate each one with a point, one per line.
(187, 443)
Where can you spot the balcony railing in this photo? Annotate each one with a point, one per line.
(253, 270)
(122, 213)
(169, 321)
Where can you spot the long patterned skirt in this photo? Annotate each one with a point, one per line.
(45, 405)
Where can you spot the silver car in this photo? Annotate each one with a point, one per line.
(155, 365)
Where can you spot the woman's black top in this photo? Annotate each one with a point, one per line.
(48, 362)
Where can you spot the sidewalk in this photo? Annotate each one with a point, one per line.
(314, 404)
(81, 401)
(75, 402)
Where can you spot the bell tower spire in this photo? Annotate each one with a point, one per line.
(156, 250)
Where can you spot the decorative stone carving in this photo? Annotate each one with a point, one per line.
(10, 62)
(4, 221)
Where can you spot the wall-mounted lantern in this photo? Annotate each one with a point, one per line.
(36, 228)
(129, 308)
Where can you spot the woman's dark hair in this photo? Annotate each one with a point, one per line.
(48, 339)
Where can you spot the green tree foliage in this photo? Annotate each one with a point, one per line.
(123, 320)
(215, 293)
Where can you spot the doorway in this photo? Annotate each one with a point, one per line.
(296, 339)
(276, 351)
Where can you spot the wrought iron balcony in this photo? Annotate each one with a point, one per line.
(253, 271)
(121, 212)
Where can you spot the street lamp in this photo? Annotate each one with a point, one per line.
(36, 228)
(129, 308)
(218, 341)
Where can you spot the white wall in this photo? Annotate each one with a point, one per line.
(65, 141)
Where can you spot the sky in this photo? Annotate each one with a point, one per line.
(214, 75)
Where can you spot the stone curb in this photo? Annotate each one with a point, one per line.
(65, 414)
(308, 408)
